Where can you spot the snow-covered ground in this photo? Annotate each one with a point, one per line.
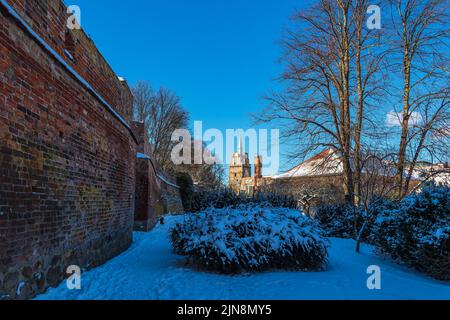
(150, 270)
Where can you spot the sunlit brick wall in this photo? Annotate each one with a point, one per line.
(67, 164)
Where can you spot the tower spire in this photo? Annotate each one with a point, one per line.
(241, 152)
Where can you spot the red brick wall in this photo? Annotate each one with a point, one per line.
(67, 165)
(148, 197)
(48, 18)
(143, 142)
(154, 197)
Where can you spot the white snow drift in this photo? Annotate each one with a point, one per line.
(150, 270)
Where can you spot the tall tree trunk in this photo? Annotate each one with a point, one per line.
(348, 170)
(405, 124)
(420, 41)
(359, 122)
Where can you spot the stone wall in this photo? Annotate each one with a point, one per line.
(156, 193)
(324, 189)
(67, 160)
(172, 198)
(149, 201)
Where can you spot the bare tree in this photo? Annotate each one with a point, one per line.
(208, 175)
(426, 136)
(376, 183)
(368, 58)
(165, 116)
(143, 99)
(422, 48)
(318, 101)
(162, 113)
(335, 76)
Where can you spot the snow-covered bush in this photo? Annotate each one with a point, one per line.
(417, 232)
(276, 200)
(201, 200)
(338, 220)
(251, 238)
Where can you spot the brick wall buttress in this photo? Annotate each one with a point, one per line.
(154, 196)
(67, 162)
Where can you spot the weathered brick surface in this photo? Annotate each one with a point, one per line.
(149, 204)
(67, 165)
(173, 201)
(48, 18)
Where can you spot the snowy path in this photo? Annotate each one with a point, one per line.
(149, 270)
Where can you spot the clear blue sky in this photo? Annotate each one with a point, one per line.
(219, 56)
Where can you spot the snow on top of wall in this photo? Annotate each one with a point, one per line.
(163, 179)
(142, 156)
(13, 12)
(160, 176)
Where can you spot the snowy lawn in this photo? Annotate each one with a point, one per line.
(150, 270)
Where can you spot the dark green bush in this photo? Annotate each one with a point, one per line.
(339, 220)
(251, 238)
(204, 199)
(336, 220)
(417, 232)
